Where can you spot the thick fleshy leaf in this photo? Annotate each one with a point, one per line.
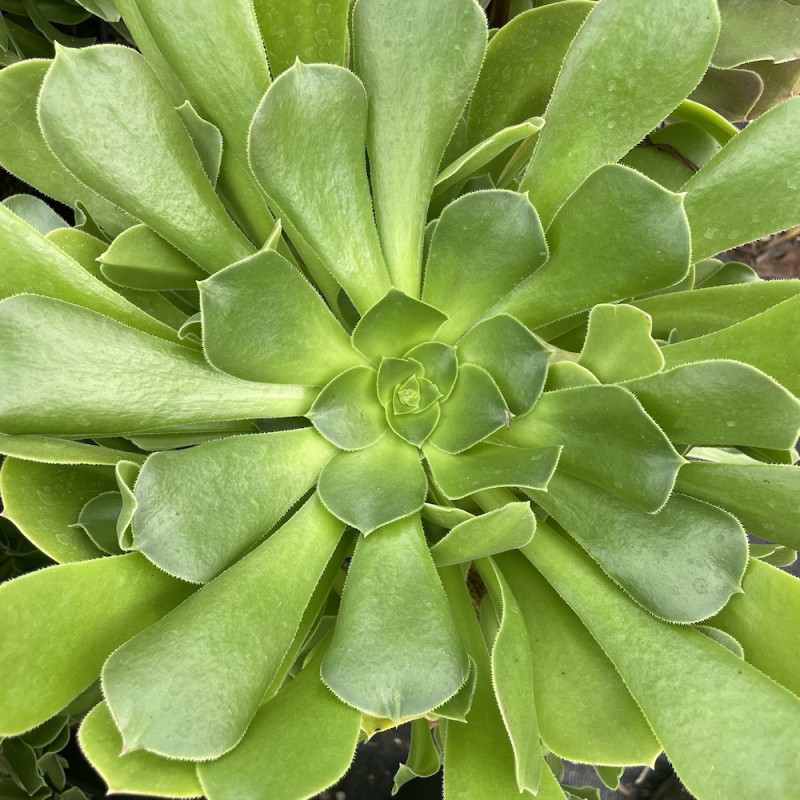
(33, 210)
(720, 403)
(445, 516)
(394, 325)
(512, 355)
(489, 466)
(521, 66)
(618, 344)
(62, 622)
(189, 685)
(485, 243)
(391, 470)
(439, 363)
(67, 370)
(423, 757)
(731, 92)
(97, 109)
(307, 151)
(700, 548)
(309, 735)
(61, 451)
(622, 57)
(608, 439)
(506, 528)
(700, 699)
(585, 712)
(139, 773)
(414, 428)
(763, 497)
(411, 121)
(98, 518)
(242, 485)
(140, 259)
(24, 151)
(347, 413)
(597, 257)
(474, 410)
(395, 651)
(263, 321)
(751, 341)
(44, 500)
(750, 189)
(765, 620)
(206, 138)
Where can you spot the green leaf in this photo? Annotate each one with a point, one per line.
(346, 411)
(474, 410)
(731, 92)
(310, 737)
(21, 759)
(512, 679)
(489, 466)
(243, 484)
(439, 363)
(423, 757)
(307, 146)
(700, 699)
(35, 212)
(763, 497)
(64, 621)
(99, 519)
(722, 638)
(585, 712)
(71, 371)
(60, 451)
(188, 686)
(622, 58)
(140, 259)
(97, 109)
(596, 256)
(302, 341)
(445, 516)
(498, 235)
(506, 528)
(618, 344)
(417, 427)
(749, 189)
(568, 375)
(140, 773)
(764, 620)
(608, 439)
(394, 325)
(699, 547)
(395, 651)
(206, 138)
(412, 114)
(392, 471)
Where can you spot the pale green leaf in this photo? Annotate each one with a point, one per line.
(722, 638)
(61, 451)
(206, 138)
(423, 757)
(62, 623)
(33, 210)
(439, 364)
(568, 375)
(417, 427)
(445, 516)
(731, 92)
(98, 518)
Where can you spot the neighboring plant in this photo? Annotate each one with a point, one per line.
(492, 368)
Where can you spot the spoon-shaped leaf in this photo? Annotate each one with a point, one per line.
(395, 651)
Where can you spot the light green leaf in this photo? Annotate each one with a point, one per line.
(485, 243)
(474, 410)
(596, 256)
(779, 80)
(731, 273)
(243, 485)
(700, 699)
(512, 679)
(751, 341)
(423, 757)
(411, 117)
(445, 516)
(608, 439)
(766, 622)
(96, 109)
(390, 468)
(622, 58)
(506, 528)
(731, 92)
(719, 403)
(417, 427)
(568, 375)
(395, 651)
(60, 451)
(101, 8)
(618, 344)
(346, 411)
(98, 518)
(309, 735)
(489, 466)
(188, 686)
(140, 259)
(699, 547)
(263, 321)
(206, 138)
(62, 622)
(139, 773)
(750, 189)
(722, 638)
(307, 151)
(439, 363)
(585, 712)
(35, 212)
(763, 497)
(70, 371)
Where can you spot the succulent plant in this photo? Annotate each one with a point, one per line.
(368, 395)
